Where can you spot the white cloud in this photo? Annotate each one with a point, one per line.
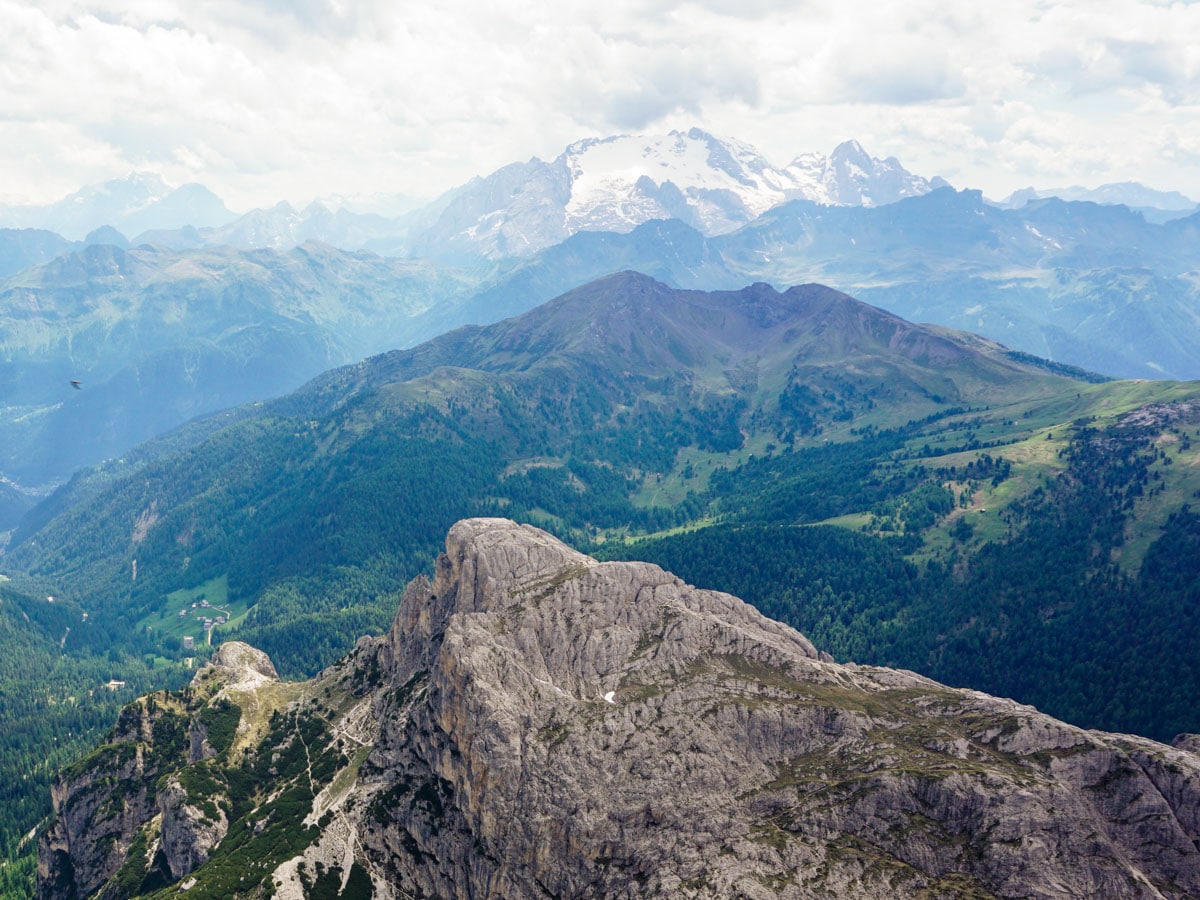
(267, 99)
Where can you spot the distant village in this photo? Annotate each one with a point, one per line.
(220, 617)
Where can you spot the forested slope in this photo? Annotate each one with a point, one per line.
(994, 515)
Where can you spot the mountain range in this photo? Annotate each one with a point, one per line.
(1095, 286)
(618, 183)
(623, 341)
(618, 378)
(609, 184)
(977, 500)
(596, 184)
(986, 517)
(622, 406)
(1087, 285)
(140, 202)
(154, 338)
(1156, 206)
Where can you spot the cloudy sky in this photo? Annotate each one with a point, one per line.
(264, 100)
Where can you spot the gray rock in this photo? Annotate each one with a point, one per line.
(574, 728)
(99, 804)
(190, 827)
(238, 664)
(1189, 742)
(103, 800)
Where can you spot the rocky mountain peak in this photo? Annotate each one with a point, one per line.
(618, 182)
(604, 729)
(135, 187)
(141, 201)
(587, 618)
(850, 152)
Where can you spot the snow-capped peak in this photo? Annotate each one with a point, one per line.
(851, 177)
(617, 183)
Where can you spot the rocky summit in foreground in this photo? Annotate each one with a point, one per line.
(538, 724)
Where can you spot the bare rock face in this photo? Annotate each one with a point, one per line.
(190, 829)
(102, 802)
(1187, 742)
(557, 726)
(99, 804)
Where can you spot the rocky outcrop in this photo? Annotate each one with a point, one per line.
(537, 723)
(239, 667)
(99, 804)
(91, 832)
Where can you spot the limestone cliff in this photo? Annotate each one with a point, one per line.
(537, 724)
(148, 805)
(102, 800)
